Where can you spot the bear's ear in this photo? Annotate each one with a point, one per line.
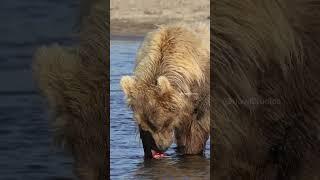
(164, 84)
(127, 84)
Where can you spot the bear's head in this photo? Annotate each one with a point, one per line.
(158, 109)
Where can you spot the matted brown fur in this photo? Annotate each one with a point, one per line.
(266, 87)
(75, 82)
(169, 90)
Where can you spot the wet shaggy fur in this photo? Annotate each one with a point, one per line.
(169, 90)
(265, 89)
(75, 82)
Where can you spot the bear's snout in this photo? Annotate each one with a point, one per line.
(148, 143)
(163, 140)
(162, 147)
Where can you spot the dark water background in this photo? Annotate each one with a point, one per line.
(126, 152)
(26, 150)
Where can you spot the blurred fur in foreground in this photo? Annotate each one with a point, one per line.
(266, 85)
(75, 82)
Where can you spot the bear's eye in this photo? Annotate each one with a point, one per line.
(152, 126)
(166, 125)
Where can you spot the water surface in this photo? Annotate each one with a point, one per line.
(126, 152)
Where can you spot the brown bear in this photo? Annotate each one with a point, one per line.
(75, 82)
(265, 90)
(169, 90)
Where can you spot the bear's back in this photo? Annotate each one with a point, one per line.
(178, 51)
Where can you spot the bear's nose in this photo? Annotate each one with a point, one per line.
(162, 148)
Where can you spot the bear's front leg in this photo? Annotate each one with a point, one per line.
(191, 137)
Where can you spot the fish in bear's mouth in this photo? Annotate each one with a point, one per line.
(149, 146)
